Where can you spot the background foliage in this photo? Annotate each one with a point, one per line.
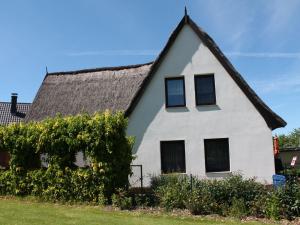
(290, 140)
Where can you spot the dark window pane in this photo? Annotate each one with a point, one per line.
(217, 155)
(205, 90)
(175, 92)
(172, 156)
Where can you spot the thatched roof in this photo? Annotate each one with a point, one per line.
(73, 92)
(6, 117)
(121, 88)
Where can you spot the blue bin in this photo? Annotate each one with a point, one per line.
(278, 180)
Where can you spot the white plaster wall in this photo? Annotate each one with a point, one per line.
(233, 117)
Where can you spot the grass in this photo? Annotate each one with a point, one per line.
(17, 212)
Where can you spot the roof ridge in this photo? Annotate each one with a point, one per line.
(111, 68)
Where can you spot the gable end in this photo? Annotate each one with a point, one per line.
(272, 119)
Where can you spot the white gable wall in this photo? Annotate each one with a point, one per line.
(233, 117)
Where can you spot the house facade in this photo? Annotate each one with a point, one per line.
(190, 111)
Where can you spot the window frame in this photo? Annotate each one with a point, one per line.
(205, 155)
(196, 91)
(166, 91)
(184, 157)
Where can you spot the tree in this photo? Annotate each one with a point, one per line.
(290, 140)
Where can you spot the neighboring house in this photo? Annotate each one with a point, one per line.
(11, 112)
(286, 155)
(190, 110)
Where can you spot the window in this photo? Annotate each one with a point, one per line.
(172, 156)
(175, 92)
(205, 90)
(216, 155)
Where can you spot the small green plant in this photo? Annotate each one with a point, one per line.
(121, 200)
(201, 202)
(238, 208)
(273, 206)
(172, 191)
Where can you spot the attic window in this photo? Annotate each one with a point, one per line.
(172, 156)
(205, 89)
(217, 155)
(175, 92)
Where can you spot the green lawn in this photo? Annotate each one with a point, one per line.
(16, 212)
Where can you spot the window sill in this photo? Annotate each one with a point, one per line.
(174, 109)
(220, 172)
(175, 106)
(174, 173)
(208, 104)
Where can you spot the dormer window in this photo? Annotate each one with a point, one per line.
(175, 92)
(205, 89)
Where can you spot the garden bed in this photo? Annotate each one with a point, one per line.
(28, 211)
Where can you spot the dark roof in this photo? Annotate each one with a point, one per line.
(6, 117)
(92, 90)
(120, 88)
(272, 119)
(290, 149)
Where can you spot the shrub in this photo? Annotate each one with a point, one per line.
(54, 184)
(236, 187)
(201, 202)
(232, 196)
(289, 199)
(143, 197)
(171, 190)
(272, 208)
(257, 207)
(122, 200)
(20, 140)
(101, 137)
(238, 208)
(58, 139)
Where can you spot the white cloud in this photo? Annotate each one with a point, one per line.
(115, 53)
(293, 55)
(282, 14)
(232, 19)
(279, 83)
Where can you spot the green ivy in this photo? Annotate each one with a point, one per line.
(101, 137)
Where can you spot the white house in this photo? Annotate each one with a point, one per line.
(190, 110)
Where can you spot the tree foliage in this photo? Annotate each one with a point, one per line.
(290, 140)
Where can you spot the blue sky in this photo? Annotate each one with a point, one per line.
(261, 38)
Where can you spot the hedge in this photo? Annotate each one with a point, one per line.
(233, 196)
(101, 137)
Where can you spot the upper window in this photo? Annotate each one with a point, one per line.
(205, 90)
(217, 155)
(175, 92)
(172, 156)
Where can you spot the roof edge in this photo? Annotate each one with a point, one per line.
(112, 68)
(271, 118)
(154, 67)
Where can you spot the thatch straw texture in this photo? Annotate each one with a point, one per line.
(74, 92)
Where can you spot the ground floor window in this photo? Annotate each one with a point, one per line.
(172, 156)
(217, 155)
